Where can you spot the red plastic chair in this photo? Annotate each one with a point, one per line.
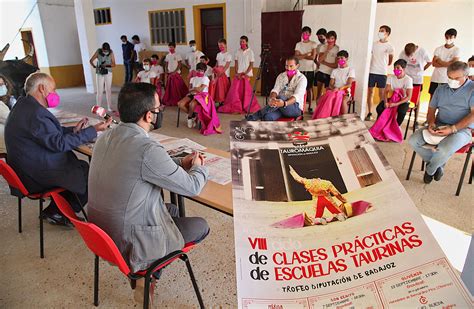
(413, 106)
(295, 118)
(467, 149)
(103, 246)
(18, 189)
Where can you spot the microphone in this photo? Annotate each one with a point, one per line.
(100, 111)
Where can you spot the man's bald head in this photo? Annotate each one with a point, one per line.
(34, 81)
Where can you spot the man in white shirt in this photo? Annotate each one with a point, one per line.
(305, 52)
(399, 80)
(244, 59)
(224, 58)
(382, 57)
(418, 61)
(147, 75)
(287, 97)
(137, 48)
(443, 57)
(192, 58)
(342, 78)
(173, 60)
(327, 62)
(204, 59)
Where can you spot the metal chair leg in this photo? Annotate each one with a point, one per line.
(177, 121)
(19, 216)
(185, 258)
(411, 165)
(415, 122)
(41, 228)
(461, 179)
(422, 166)
(472, 173)
(96, 281)
(146, 293)
(181, 206)
(82, 207)
(408, 124)
(133, 284)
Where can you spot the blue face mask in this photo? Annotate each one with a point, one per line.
(3, 90)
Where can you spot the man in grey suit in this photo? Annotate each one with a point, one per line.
(128, 171)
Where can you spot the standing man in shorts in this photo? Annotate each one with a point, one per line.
(382, 57)
(305, 52)
(327, 62)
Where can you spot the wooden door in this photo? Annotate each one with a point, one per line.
(212, 29)
(280, 31)
(27, 39)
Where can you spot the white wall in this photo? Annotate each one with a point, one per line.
(422, 23)
(12, 15)
(131, 17)
(60, 32)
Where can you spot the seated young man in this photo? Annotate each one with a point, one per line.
(398, 81)
(147, 75)
(125, 190)
(454, 120)
(197, 84)
(287, 96)
(335, 99)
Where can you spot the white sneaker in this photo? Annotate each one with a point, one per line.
(341, 217)
(320, 221)
(191, 123)
(194, 122)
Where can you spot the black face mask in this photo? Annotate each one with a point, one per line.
(158, 120)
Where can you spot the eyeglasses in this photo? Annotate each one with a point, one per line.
(160, 109)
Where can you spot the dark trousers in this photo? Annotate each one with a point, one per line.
(193, 229)
(128, 70)
(401, 111)
(269, 113)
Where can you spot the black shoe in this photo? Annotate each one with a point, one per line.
(438, 174)
(427, 178)
(416, 126)
(368, 117)
(310, 110)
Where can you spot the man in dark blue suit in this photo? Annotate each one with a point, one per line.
(40, 149)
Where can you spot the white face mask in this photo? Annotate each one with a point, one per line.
(449, 41)
(3, 90)
(381, 35)
(146, 67)
(193, 48)
(471, 71)
(454, 84)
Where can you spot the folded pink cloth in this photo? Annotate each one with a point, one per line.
(329, 104)
(175, 90)
(207, 114)
(239, 96)
(386, 128)
(219, 86)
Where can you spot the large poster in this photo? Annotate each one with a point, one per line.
(322, 221)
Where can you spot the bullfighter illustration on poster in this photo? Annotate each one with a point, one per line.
(322, 221)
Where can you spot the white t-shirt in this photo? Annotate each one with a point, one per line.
(146, 76)
(208, 72)
(244, 57)
(403, 83)
(193, 58)
(197, 81)
(318, 50)
(138, 48)
(415, 64)
(304, 48)
(157, 69)
(330, 57)
(172, 60)
(296, 87)
(379, 61)
(440, 75)
(341, 75)
(222, 59)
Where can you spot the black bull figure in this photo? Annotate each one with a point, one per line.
(15, 72)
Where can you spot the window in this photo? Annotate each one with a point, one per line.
(102, 16)
(167, 26)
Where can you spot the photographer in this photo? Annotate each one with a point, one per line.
(103, 69)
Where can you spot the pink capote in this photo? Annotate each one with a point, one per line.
(207, 114)
(159, 89)
(175, 90)
(219, 86)
(329, 104)
(239, 96)
(386, 128)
